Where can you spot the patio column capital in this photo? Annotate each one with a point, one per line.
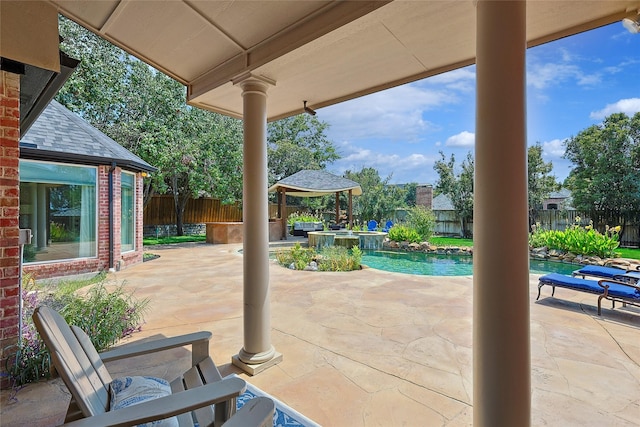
(250, 82)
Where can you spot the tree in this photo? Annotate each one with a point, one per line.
(379, 199)
(298, 143)
(459, 187)
(197, 153)
(605, 179)
(540, 181)
(410, 198)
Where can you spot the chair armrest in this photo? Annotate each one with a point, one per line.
(198, 340)
(167, 406)
(603, 283)
(256, 412)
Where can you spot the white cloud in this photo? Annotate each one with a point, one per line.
(629, 106)
(561, 69)
(463, 139)
(412, 167)
(553, 149)
(541, 76)
(461, 80)
(395, 114)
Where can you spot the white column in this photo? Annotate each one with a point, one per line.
(33, 221)
(501, 343)
(43, 217)
(258, 353)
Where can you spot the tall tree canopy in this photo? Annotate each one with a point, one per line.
(196, 152)
(297, 143)
(540, 181)
(379, 199)
(458, 186)
(605, 179)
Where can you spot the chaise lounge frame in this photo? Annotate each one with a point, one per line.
(605, 289)
(84, 373)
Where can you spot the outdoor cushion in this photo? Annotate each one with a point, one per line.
(599, 271)
(129, 391)
(623, 291)
(556, 279)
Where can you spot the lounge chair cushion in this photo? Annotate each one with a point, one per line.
(556, 279)
(128, 391)
(597, 270)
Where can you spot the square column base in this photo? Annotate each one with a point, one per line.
(257, 368)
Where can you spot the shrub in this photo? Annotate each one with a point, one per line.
(302, 217)
(338, 258)
(422, 220)
(578, 240)
(105, 316)
(59, 233)
(298, 256)
(333, 258)
(28, 253)
(403, 233)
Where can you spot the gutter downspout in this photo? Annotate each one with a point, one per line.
(111, 261)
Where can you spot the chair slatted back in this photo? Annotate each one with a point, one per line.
(93, 355)
(75, 367)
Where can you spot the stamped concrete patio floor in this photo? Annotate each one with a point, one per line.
(371, 348)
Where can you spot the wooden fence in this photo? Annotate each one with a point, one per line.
(561, 219)
(160, 211)
(447, 224)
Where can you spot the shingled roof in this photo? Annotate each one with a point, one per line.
(314, 183)
(61, 135)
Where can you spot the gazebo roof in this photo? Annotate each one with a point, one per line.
(315, 183)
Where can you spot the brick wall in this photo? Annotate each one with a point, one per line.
(424, 196)
(9, 206)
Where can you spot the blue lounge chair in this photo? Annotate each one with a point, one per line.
(387, 226)
(626, 293)
(372, 225)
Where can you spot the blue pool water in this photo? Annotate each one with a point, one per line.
(444, 265)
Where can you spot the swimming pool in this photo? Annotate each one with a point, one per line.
(444, 265)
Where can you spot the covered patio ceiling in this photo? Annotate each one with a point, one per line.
(323, 52)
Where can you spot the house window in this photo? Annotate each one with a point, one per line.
(127, 211)
(552, 206)
(58, 203)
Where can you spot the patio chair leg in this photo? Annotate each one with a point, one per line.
(600, 305)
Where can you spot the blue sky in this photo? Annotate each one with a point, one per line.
(572, 84)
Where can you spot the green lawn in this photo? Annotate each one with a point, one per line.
(629, 253)
(173, 239)
(450, 241)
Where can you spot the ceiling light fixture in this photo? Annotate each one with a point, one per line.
(308, 109)
(632, 25)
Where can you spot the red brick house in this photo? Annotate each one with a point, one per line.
(81, 196)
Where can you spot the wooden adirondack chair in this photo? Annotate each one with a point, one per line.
(85, 375)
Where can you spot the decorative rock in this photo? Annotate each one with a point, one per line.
(313, 266)
(414, 246)
(292, 266)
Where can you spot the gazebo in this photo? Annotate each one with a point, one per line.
(314, 183)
